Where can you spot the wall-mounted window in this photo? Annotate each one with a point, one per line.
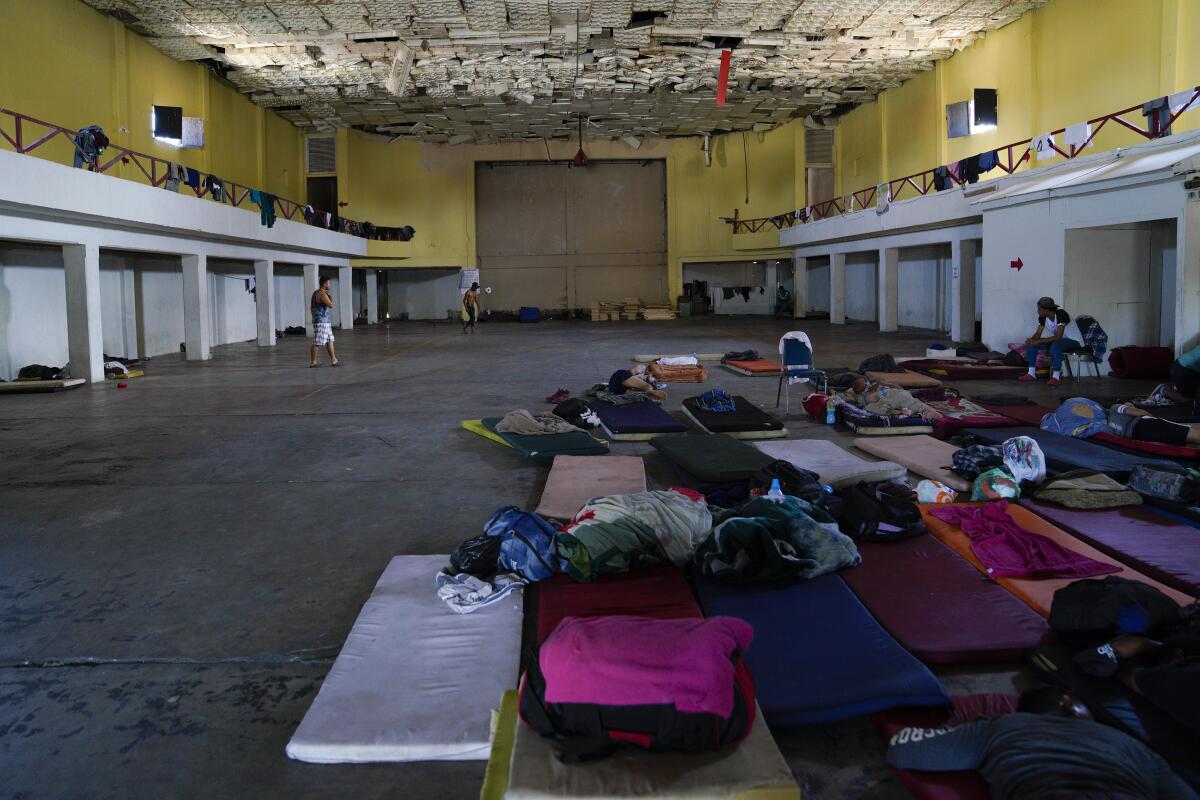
(166, 123)
(972, 116)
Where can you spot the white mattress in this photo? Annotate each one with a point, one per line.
(755, 764)
(414, 681)
(837, 467)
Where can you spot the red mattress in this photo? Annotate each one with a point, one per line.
(1032, 415)
(961, 785)
(763, 366)
(1026, 415)
(1153, 448)
(658, 592)
(1162, 548)
(958, 371)
(939, 607)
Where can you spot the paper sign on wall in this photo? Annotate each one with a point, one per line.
(466, 278)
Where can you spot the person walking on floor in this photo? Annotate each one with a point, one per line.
(470, 311)
(321, 306)
(1056, 332)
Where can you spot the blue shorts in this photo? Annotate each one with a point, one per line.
(616, 384)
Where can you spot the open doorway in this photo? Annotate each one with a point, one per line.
(1124, 277)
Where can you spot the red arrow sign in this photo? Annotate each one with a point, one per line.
(1017, 264)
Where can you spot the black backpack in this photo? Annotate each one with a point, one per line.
(866, 507)
(797, 482)
(589, 732)
(1099, 609)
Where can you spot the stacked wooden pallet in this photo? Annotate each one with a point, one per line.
(632, 308)
(658, 311)
(605, 312)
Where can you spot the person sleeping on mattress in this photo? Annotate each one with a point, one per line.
(635, 380)
(885, 400)
(1049, 748)
(1081, 418)
(1166, 672)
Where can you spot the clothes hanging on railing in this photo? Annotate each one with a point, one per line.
(192, 178)
(266, 206)
(174, 176)
(90, 142)
(987, 161)
(941, 179)
(216, 188)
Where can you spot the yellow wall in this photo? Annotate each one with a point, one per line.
(431, 187)
(1067, 62)
(65, 63)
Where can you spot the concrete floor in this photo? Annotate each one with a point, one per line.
(181, 560)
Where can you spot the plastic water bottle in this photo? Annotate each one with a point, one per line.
(776, 494)
(830, 411)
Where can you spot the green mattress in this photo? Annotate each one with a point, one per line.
(714, 458)
(546, 447)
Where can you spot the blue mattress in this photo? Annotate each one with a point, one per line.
(1065, 453)
(636, 418)
(818, 654)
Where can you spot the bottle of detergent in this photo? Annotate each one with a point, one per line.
(830, 411)
(776, 494)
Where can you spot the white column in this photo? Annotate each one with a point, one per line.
(310, 286)
(962, 290)
(129, 309)
(889, 289)
(799, 287)
(196, 322)
(85, 336)
(264, 301)
(345, 299)
(772, 279)
(837, 288)
(372, 296)
(1187, 279)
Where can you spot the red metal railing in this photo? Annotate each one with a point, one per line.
(153, 167)
(921, 183)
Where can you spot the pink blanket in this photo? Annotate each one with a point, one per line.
(631, 661)
(1007, 550)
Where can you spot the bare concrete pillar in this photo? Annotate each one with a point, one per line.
(264, 299)
(962, 289)
(837, 288)
(372, 296)
(345, 298)
(799, 287)
(85, 336)
(197, 335)
(310, 286)
(889, 289)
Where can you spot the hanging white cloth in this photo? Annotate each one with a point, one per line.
(1044, 146)
(1077, 135)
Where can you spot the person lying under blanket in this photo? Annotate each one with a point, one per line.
(636, 380)
(1081, 418)
(1049, 748)
(885, 400)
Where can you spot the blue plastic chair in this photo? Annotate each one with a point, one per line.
(798, 363)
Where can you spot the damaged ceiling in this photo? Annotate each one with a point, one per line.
(504, 70)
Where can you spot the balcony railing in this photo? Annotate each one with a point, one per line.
(28, 134)
(1008, 158)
